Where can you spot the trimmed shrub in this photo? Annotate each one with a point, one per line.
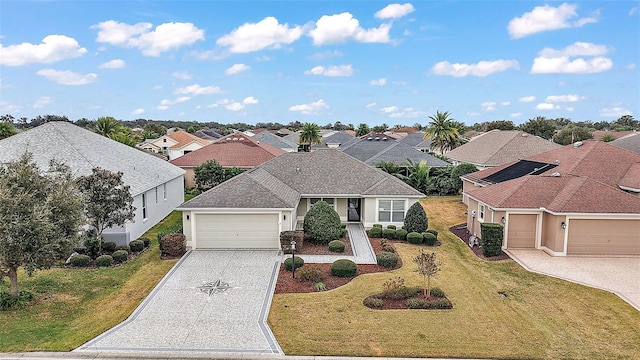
(414, 238)
(387, 259)
(344, 232)
(344, 226)
(388, 233)
(429, 239)
(416, 303)
(416, 219)
(391, 227)
(80, 260)
(388, 248)
(104, 260)
(289, 263)
(109, 246)
(344, 268)
(433, 231)
(93, 244)
(372, 302)
(320, 286)
(336, 246)
(146, 241)
(442, 303)
(375, 232)
(436, 292)
(120, 256)
(401, 234)
(322, 222)
(286, 237)
(383, 242)
(136, 245)
(492, 235)
(7, 301)
(377, 225)
(173, 245)
(310, 274)
(126, 248)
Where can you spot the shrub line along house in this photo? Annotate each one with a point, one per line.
(580, 199)
(156, 186)
(251, 209)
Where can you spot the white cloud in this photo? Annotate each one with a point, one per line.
(563, 65)
(67, 77)
(488, 106)
(236, 69)
(578, 48)
(394, 11)
(250, 100)
(236, 106)
(516, 114)
(332, 71)
(631, 66)
(264, 58)
(165, 103)
(390, 109)
(505, 103)
(310, 109)
(340, 28)
(563, 98)
(482, 68)
(408, 112)
(633, 11)
(137, 111)
(527, 99)
(547, 18)
(113, 64)
(165, 37)
(196, 89)
(41, 102)
(569, 108)
(326, 55)
(546, 106)
(614, 112)
(267, 33)
(53, 48)
(378, 82)
(182, 75)
(182, 99)
(369, 106)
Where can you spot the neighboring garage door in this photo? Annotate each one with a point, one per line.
(522, 231)
(241, 231)
(603, 237)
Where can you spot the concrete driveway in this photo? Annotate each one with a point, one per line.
(180, 317)
(619, 275)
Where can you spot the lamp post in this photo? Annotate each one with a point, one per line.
(293, 258)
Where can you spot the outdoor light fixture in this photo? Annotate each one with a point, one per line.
(293, 259)
(563, 225)
(473, 214)
(504, 221)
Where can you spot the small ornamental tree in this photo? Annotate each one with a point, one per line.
(428, 267)
(211, 174)
(416, 219)
(322, 223)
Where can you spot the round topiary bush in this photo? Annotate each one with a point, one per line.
(429, 239)
(414, 238)
(336, 246)
(136, 245)
(416, 219)
(80, 260)
(389, 233)
(288, 263)
(401, 234)
(434, 232)
(387, 259)
(377, 225)
(146, 241)
(344, 268)
(109, 246)
(124, 247)
(104, 260)
(372, 302)
(310, 274)
(120, 256)
(375, 232)
(391, 227)
(322, 223)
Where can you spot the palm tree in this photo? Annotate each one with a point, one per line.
(309, 134)
(418, 177)
(7, 129)
(363, 129)
(107, 126)
(442, 131)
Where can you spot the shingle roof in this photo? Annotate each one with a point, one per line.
(275, 140)
(630, 142)
(372, 151)
(235, 150)
(184, 138)
(340, 138)
(497, 147)
(82, 150)
(598, 134)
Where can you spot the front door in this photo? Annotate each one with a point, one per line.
(353, 210)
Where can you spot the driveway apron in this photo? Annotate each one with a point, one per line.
(181, 316)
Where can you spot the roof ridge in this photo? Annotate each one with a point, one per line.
(516, 132)
(55, 128)
(395, 143)
(281, 183)
(572, 190)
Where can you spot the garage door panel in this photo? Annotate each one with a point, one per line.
(522, 231)
(238, 231)
(603, 237)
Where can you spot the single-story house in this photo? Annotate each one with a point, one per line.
(175, 144)
(157, 187)
(630, 142)
(580, 199)
(251, 209)
(334, 141)
(276, 141)
(234, 150)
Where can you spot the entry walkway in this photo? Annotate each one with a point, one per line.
(362, 250)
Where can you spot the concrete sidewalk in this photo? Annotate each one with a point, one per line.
(165, 356)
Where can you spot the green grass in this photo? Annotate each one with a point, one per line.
(542, 317)
(75, 305)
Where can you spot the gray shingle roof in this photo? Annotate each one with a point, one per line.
(339, 138)
(398, 151)
(82, 150)
(630, 142)
(275, 140)
(364, 149)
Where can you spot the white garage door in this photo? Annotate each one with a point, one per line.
(241, 231)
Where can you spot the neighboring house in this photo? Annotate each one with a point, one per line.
(276, 141)
(175, 144)
(598, 134)
(234, 150)
(334, 141)
(156, 186)
(209, 135)
(416, 139)
(630, 142)
(497, 147)
(581, 199)
(251, 209)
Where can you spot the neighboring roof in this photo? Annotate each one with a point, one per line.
(208, 134)
(184, 138)
(630, 142)
(293, 137)
(275, 140)
(339, 138)
(598, 134)
(416, 139)
(82, 150)
(234, 150)
(497, 147)
(280, 182)
(372, 151)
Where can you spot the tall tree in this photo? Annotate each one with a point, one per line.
(626, 122)
(155, 128)
(211, 174)
(107, 126)
(442, 131)
(428, 267)
(572, 133)
(540, 126)
(7, 129)
(498, 125)
(362, 130)
(40, 215)
(418, 176)
(309, 134)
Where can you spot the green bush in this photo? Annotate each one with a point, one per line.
(344, 226)
(109, 246)
(492, 235)
(336, 246)
(310, 273)
(414, 238)
(378, 225)
(372, 302)
(416, 219)
(93, 244)
(175, 228)
(391, 227)
(344, 268)
(344, 232)
(416, 303)
(80, 260)
(288, 263)
(104, 260)
(401, 234)
(173, 245)
(429, 239)
(146, 241)
(375, 232)
(442, 303)
(322, 223)
(387, 259)
(7, 301)
(436, 292)
(433, 231)
(388, 233)
(126, 248)
(120, 256)
(136, 245)
(320, 286)
(388, 248)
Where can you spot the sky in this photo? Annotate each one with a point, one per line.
(372, 62)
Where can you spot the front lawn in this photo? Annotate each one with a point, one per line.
(540, 317)
(75, 305)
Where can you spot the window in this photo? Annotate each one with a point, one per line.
(481, 217)
(156, 195)
(164, 191)
(144, 206)
(329, 201)
(391, 210)
(164, 140)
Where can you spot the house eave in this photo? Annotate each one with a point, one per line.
(235, 210)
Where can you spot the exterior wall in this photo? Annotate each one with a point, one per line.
(473, 223)
(466, 186)
(189, 178)
(552, 233)
(369, 211)
(341, 208)
(156, 211)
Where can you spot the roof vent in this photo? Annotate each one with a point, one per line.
(557, 162)
(377, 138)
(383, 139)
(240, 139)
(235, 139)
(298, 170)
(555, 174)
(577, 144)
(369, 138)
(525, 134)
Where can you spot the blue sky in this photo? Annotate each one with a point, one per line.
(323, 61)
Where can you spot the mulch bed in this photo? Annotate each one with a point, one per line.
(310, 248)
(462, 232)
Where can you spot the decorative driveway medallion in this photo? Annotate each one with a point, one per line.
(215, 287)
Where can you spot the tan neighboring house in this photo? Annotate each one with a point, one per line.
(497, 147)
(580, 199)
(175, 144)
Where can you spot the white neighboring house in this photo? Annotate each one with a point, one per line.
(157, 186)
(175, 144)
